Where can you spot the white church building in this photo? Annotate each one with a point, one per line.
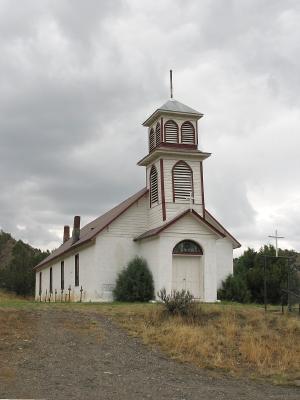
(166, 223)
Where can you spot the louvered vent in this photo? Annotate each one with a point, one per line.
(153, 186)
(187, 133)
(151, 140)
(182, 182)
(157, 133)
(171, 132)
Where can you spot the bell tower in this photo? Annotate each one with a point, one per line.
(174, 165)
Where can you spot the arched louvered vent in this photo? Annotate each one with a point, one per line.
(187, 133)
(153, 186)
(182, 182)
(157, 134)
(171, 132)
(151, 139)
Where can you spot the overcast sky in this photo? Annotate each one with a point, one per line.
(78, 77)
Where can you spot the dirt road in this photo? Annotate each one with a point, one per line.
(75, 355)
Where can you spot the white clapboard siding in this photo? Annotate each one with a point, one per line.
(187, 133)
(157, 134)
(171, 132)
(151, 139)
(182, 181)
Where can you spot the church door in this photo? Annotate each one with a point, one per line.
(187, 268)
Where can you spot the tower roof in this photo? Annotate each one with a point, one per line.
(173, 107)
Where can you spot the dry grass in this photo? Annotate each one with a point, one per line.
(236, 340)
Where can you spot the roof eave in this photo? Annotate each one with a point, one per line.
(164, 150)
(159, 112)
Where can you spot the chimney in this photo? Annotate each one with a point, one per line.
(76, 228)
(66, 233)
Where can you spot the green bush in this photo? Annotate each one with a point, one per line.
(234, 288)
(135, 282)
(177, 302)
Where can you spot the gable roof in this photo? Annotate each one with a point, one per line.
(173, 106)
(91, 230)
(159, 229)
(209, 221)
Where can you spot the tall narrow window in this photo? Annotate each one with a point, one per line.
(62, 275)
(40, 283)
(171, 132)
(153, 186)
(151, 139)
(50, 281)
(182, 176)
(187, 133)
(77, 270)
(157, 134)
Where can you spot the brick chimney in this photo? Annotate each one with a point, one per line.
(76, 228)
(66, 233)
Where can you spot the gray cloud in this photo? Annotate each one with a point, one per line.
(78, 77)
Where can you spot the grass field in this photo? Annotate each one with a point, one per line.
(232, 338)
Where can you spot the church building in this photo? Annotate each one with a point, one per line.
(166, 223)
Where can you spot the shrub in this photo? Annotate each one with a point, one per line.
(234, 288)
(177, 302)
(135, 282)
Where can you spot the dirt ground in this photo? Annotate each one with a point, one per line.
(69, 354)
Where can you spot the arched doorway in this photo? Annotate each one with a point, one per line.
(187, 268)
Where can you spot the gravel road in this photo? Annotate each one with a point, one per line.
(75, 355)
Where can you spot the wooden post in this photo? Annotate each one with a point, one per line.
(69, 293)
(81, 290)
(46, 295)
(265, 283)
(288, 286)
(55, 293)
(62, 295)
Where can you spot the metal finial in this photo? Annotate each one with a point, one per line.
(171, 83)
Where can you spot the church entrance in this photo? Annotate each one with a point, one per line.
(187, 268)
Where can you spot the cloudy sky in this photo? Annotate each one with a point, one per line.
(77, 78)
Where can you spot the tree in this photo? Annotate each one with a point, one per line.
(135, 282)
(247, 282)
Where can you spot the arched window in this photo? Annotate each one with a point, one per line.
(187, 133)
(171, 132)
(157, 134)
(188, 247)
(151, 139)
(182, 177)
(153, 186)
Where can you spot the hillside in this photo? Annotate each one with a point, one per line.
(17, 260)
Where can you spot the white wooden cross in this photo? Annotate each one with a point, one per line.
(276, 237)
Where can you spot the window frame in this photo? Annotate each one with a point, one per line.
(194, 133)
(152, 169)
(173, 183)
(51, 280)
(76, 264)
(62, 275)
(165, 131)
(198, 252)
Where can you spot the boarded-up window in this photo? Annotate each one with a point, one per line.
(40, 283)
(157, 134)
(182, 182)
(77, 270)
(50, 281)
(62, 275)
(171, 132)
(151, 139)
(153, 186)
(187, 133)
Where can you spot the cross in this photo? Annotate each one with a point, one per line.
(171, 83)
(276, 237)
